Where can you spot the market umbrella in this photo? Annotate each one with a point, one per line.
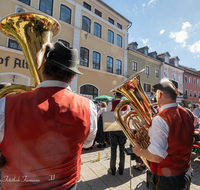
(104, 98)
(124, 98)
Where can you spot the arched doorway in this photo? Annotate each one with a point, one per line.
(88, 89)
(14, 78)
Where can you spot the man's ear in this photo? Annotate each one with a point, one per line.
(72, 78)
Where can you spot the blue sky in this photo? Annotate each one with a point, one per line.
(164, 25)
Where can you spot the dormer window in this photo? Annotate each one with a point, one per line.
(176, 63)
(145, 52)
(154, 56)
(166, 59)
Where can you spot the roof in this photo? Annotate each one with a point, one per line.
(164, 53)
(100, 1)
(190, 70)
(175, 57)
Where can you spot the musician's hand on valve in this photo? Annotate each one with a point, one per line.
(137, 148)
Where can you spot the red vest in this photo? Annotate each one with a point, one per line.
(180, 142)
(44, 133)
(115, 103)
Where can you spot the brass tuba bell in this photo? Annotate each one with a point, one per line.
(139, 118)
(31, 30)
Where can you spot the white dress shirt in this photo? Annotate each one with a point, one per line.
(159, 132)
(54, 83)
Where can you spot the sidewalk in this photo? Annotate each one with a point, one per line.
(94, 175)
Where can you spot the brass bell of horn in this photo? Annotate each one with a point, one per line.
(139, 118)
(31, 30)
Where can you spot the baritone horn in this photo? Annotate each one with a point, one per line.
(31, 30)
(139, 118)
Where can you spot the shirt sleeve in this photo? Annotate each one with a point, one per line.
(99, 113)
(109, 107)
(93, 126)
(159, 132)
(2, 117)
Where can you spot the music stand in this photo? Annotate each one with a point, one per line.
(129, 151)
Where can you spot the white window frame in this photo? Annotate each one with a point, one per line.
(190, 80)
(187, 79)
(194, 81)
(190, 93)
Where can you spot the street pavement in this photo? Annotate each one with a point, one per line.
(94, 175)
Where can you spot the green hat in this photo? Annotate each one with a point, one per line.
(63, 57)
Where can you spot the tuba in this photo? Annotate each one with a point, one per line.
(139, 118)
(31, 30)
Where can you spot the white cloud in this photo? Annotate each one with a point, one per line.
(195, 48)
(135, 9)
(152, 1)
(198, 55)
(144, 40)
(186, 25)
(181, 36)
(127, 11)
(143, 5)
(162, 31)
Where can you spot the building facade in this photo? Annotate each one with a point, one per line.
(191, 85)
(139, 59)
(170, 69)
(99, 33)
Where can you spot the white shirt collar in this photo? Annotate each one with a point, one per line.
(54, 83)
(168, 106)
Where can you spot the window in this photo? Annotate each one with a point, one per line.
(174, 77)
(110, 36)
(147, 70)
(110, 20)
(67, 44)
(14, 44)
(119, 26)
(84, 57)
(86, 23)
(89, 90)
(97, 12)
(96, 60)
(157, 73)
(167, 59)
(185, 79)
(147, 87)
(195, 94)
(190, 93)
(186, 92)
(190, 80)
(176, 63)
(198, 82)
(97, 30)
(119, 40)
(198, 94)
(179, 79)
(118, 67)
(46, 6)
(134, 66)
(145, 52)
(194, 81)
(165, 75)
(109, 64)
(65, 14)
(87, 6)
(154, 56)
(25, 1)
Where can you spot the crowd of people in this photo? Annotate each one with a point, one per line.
(43, 141)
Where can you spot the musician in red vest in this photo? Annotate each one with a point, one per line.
(171, 137)
(117, 137)
(42, 132)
